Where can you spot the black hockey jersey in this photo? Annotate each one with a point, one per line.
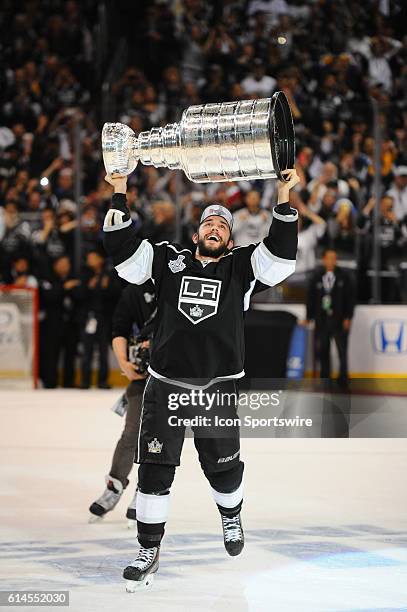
(135, 307)
(199, 332)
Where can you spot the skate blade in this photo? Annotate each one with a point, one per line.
(133, 586)
(96, 519)
(131, 524)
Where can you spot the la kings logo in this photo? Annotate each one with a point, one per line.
(155, 446)
(199, 298)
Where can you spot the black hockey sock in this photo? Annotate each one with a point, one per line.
(230, 512)
(150, 534)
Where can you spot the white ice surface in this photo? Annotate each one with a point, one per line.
(325, 520)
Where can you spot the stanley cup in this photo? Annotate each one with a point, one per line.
(250, 139)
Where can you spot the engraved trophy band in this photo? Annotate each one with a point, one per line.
(248, 139)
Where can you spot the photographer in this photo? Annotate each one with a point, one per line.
(133, 322)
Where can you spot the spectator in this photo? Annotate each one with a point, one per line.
(47, 241)
(328, 99)
(328, 201)
(251, 224)
(154, 111)
(99, 292)
(340, 232)
(64, 187)
(258, 84)
(59, 296)
(381, 50)
(36, 202)
(274, 7)
(219, 47)
(330, 303)
(244, 62)
(161, 226)
(193, 61)
(214, 90)
(67, 225)
(191, 223)
(398, 192)
(171, 91)
(20, 274)
(389, 229)
(308, 236)
(327, 179)
(14, 235)
(390, 237)
(91, 228)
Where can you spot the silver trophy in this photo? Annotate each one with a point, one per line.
(249, 139)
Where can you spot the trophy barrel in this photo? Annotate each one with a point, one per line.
(250, 139)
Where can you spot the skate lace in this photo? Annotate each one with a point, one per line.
(232, 528)
(145, 558)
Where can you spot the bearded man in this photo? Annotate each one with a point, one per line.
(197, 356)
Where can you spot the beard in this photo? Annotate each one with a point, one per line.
(216, 251)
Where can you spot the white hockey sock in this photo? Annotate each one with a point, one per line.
(228, 500)
(152, 508)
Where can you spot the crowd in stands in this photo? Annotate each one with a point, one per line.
(329, 58)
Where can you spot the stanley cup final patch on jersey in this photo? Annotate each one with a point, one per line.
(199, 298)
(177, 265)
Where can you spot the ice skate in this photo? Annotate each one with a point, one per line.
(131, 513)
(233, 535)
(140, 573)
(107, 501)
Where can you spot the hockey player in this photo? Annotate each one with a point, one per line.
(198, 344)
(133, 317)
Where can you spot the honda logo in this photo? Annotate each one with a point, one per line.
(389, 336)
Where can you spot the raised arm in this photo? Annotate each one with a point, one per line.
(273, 260)
(132, 256)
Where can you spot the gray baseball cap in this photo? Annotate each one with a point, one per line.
(218, 210)
(400, 171)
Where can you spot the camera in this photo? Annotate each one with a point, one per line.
(139, 355)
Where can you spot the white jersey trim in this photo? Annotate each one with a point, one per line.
(171, 246)
(139, 267)
(248, 295)
(113, 221)
(287, 218)
(268, 268)
(179, 383)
